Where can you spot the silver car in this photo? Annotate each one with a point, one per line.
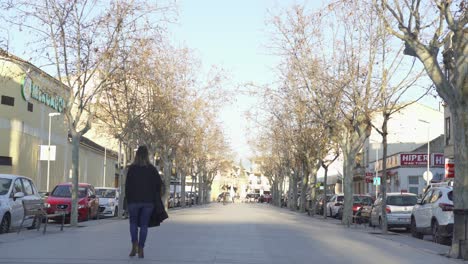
(399, 207)
(108, 201)
(13, 190)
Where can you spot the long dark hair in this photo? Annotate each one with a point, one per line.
(142, 157)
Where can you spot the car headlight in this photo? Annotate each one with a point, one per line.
(80, 206)
(111, 203)
(47, 205)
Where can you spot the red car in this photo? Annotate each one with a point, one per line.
(359, 201)
(60, 200)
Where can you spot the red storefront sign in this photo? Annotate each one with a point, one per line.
(438, 160)
(412, 159)
(420, 159)
(369, 176)
(449, 168)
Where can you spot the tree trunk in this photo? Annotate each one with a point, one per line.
(349, 161)
(182, 187)
(383, 185)
(305, 184)
(460, 124)
(167, 178)
(325, 190)
(75, 178)
(200, 190)
(294, 190)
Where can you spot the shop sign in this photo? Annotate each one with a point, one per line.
(420, 159)
(411, 159)
(30, 90)
(369, 176)
(438, 160)
(449, 169)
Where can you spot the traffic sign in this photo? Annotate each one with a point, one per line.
(376, 180)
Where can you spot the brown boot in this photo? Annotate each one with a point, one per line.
(141, 254)
(134, 249)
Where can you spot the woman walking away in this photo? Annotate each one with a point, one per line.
(143, 194)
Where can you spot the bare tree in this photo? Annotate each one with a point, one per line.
(423, 37)
(80, 39)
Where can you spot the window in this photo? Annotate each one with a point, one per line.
(18, 186)
(414, 190)
(28, 190)
(402, 200)
(30, 107)
(6, 161)
(427, 197)
(4, 186)
(437, 194)
(447, 130)
(413, 180)
(7, 100)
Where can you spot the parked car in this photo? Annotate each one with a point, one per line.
(399, 208)
(359, 201)
(13, 190)
(60, 200)
(434, 215)
(334, 205)
(322, 200)
(108, 201)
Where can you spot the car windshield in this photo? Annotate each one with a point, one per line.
(105, 193)
(450, 195)
(65, 191)
(339, 198)
(402, 200)
(4, 186)
(363, 200)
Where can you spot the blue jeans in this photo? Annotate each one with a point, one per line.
(139, 215)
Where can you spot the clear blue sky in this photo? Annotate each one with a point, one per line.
(233, 35)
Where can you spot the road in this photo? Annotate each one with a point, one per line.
(231, 234)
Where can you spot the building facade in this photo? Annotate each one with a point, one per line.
(408, 129)
(28, 97)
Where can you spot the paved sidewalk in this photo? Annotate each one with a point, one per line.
(217, 234)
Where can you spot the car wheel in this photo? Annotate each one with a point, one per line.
(380, 222)
(116, 211)
(436, 238)
(414, 231)
(331, 215)
(5, 224)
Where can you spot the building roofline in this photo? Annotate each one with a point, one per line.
(6, 54)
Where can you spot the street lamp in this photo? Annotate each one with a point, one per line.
(48, 154)
(428, 150)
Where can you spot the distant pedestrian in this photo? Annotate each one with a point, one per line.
(143, 192)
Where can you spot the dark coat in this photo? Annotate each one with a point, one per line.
(144, 184)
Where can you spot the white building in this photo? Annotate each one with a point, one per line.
(408, 130)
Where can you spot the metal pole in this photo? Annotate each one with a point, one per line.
(376, 174)
(48, 157)
(428, 154)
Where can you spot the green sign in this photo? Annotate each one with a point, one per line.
(30, 90)
(376, 180)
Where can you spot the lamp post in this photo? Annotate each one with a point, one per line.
(428, 150)
(48, 149)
